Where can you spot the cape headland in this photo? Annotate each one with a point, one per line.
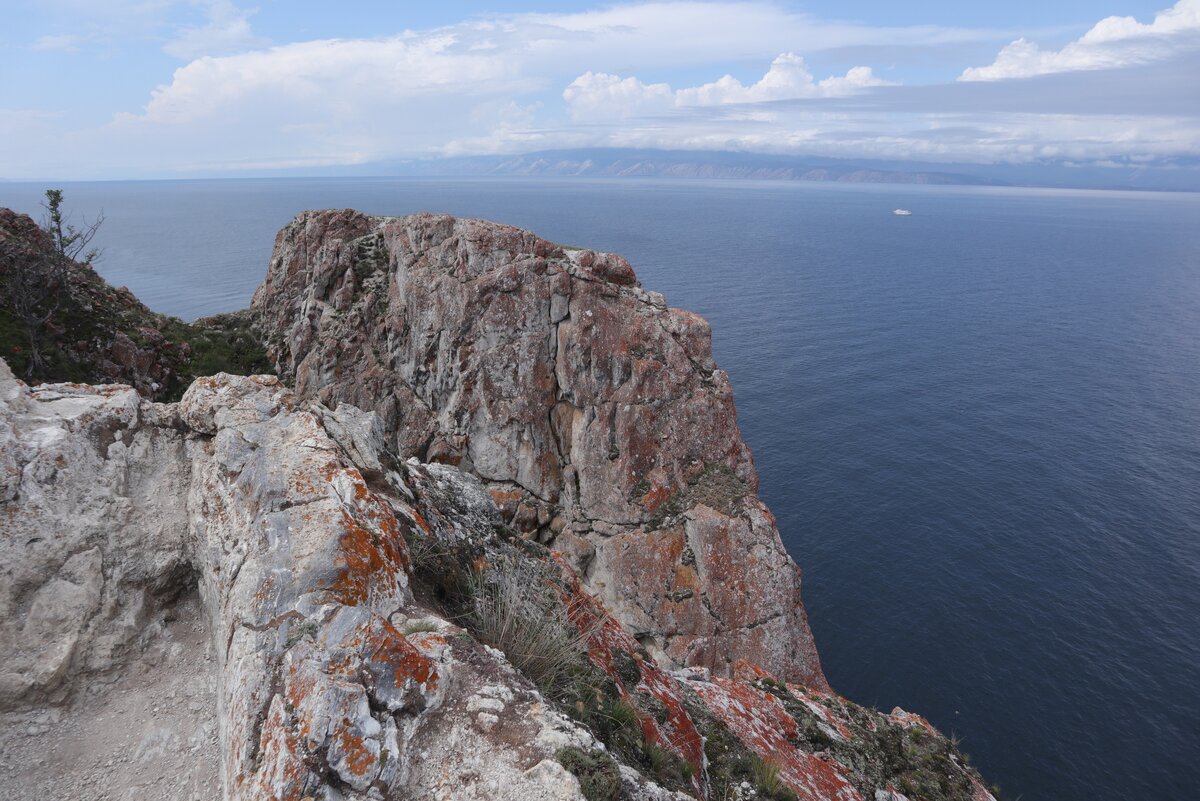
(490, 531)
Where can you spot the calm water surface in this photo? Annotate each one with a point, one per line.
(979, 426)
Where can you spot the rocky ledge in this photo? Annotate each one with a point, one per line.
(501, 540)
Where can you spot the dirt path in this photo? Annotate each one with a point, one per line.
(148, 733)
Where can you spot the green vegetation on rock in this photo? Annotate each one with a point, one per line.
(596, 771)
(61, 321)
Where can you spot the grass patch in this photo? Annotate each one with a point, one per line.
(515, 608)
(768, 781)
(419, 627)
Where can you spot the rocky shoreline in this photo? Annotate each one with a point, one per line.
(492, 532)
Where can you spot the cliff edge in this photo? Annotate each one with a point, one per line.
(594, 413)
(76, 326)
(501, 541)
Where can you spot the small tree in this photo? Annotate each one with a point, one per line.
(70, 241)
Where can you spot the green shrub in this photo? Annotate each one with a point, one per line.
(596, 771)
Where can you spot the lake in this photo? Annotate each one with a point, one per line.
(978, 426)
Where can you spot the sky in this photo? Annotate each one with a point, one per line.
(177, 88)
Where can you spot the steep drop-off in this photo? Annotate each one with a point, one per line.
(593, 411)
(500, 542)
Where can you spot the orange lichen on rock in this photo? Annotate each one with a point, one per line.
(372, 555)
(385, 649)
(282, 772)
(359, 759)
(761, 722)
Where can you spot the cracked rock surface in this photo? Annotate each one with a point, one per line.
(114, 507)
(594, 412)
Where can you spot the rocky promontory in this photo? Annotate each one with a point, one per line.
(492, 533)
(88, 330)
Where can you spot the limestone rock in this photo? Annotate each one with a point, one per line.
(594, 411)
(115, 505)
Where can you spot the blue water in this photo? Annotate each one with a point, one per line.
(978, 426)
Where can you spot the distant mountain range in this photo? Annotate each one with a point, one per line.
(1178, 174)
(613, 163)
(1181, 175)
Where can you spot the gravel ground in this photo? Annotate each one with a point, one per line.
(149, 732)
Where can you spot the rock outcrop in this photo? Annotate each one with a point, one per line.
(90, 331)
(501, 542)
(593, 411)
(111, 504)
(346, 596)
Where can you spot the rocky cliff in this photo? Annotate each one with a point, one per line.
(594, 413)
(500, 542)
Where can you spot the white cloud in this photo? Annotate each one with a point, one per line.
(1112, 42)
(601, 96)
(226, 30)
(67, 43)
(598, 95)
(495, 85)
(788, 78)
(310, 80)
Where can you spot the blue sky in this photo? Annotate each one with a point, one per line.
(167, 88)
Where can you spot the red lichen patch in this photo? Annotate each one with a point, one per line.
(360, 760)
(820, 710)
(909, 721)
(368, 565)
(745, 670)
(655, 498)
(761, 722)
(605, 636)
(427, 640)
(372, 553)
(385, 647)
(506, 500)
(282, 774)
(420, 521)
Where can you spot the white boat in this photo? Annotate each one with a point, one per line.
(902, 212)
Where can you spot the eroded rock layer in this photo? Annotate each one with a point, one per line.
(593, 411)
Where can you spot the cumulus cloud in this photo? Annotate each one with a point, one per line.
(226, 30)
(496, 85)
(598, 95)
(1111, 42)
(601, 96)
(787, 79)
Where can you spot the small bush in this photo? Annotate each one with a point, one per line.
(420, 626)
(768, 782)
(514, 607)
(596, 771)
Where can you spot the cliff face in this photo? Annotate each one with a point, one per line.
(594, 413)
(355, 610)
(501, 542)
